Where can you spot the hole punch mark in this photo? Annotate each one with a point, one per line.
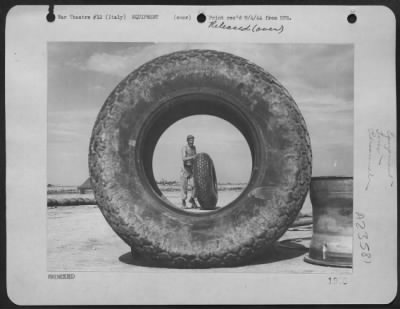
(201, 18)
(50, 16)
(352, 18)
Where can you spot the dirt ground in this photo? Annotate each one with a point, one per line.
(79, 239)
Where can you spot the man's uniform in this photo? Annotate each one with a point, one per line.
(187, 171)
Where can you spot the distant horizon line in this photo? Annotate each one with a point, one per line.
(158, 182)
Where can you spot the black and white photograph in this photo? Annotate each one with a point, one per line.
(172, 155)
(223, 141)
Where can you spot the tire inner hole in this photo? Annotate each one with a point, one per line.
(228, 150)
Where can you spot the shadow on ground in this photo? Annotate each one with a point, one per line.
(298, 243)
(279, 252)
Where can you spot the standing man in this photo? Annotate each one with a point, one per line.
(188, 154)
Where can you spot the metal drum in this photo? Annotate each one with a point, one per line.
(332, 204)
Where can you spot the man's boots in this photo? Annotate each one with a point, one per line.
(184, 204)
(193, 202)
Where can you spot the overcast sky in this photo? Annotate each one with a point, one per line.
(82, 75)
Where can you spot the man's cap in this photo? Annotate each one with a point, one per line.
(189, 137)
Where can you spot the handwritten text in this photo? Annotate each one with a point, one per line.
(380, 155)
(246, 27)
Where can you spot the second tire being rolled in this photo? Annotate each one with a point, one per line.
(205, 181)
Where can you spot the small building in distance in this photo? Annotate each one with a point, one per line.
(86, 187)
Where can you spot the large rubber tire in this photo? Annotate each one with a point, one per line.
(205, 181)
(172, 87)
